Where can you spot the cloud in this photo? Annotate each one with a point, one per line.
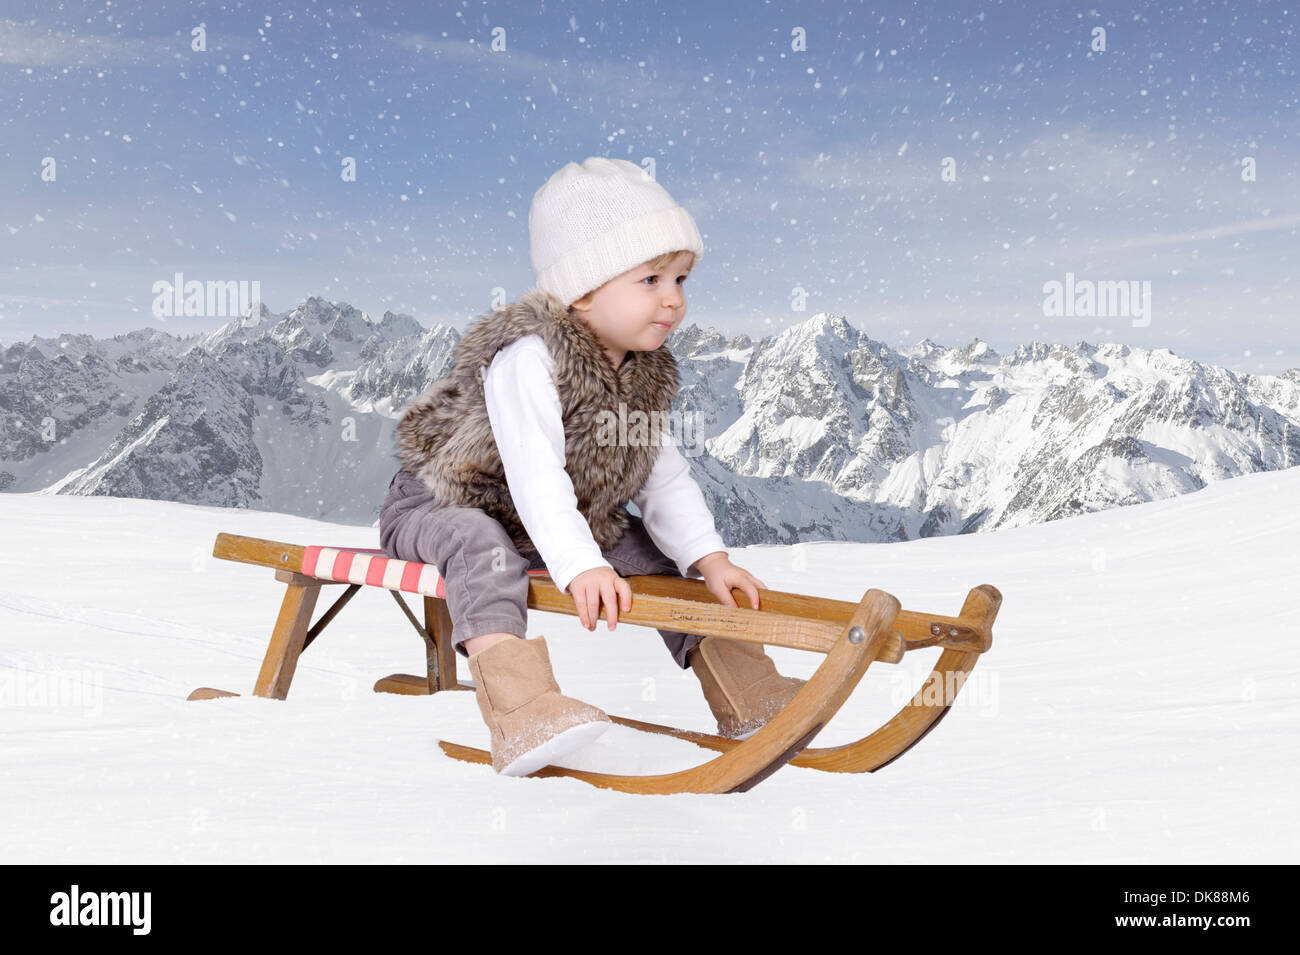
(1264, 224)
(605, 80)
(512, 59)
(25, 44)
(1076, 163)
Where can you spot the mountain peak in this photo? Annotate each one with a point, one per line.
(978, 350)
(925, 348)
(399, 325)
(256, 315)
(821, 324)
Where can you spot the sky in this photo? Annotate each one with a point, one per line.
(923, 172)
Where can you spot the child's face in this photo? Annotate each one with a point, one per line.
(637, 310)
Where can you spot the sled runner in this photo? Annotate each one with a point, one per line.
(851, 635)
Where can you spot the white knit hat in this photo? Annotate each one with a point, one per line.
(594, 221)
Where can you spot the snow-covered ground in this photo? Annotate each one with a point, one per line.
(1141, 703)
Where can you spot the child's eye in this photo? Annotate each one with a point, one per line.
(680, 278)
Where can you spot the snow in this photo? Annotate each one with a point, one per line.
(146, 437)
(1140, 704)
(737, 355)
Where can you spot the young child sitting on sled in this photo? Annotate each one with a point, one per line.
(507, 465)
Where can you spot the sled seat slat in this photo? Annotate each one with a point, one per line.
(369, 566)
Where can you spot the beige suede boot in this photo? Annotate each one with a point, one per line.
(531, 723)
(741, 684)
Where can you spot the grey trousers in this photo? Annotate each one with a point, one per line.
(483, 574)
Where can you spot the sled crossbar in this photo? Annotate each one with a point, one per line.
(670, 603)
(851, 635)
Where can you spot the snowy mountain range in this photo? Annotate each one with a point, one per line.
(818, 432)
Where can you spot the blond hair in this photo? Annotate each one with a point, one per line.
(657, 263)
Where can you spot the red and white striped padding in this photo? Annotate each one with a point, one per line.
(365, 565)
(358, 565)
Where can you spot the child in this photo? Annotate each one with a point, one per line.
(506, 466)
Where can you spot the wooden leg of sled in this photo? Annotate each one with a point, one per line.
(440, 657)
(753, 760)
(926, 708)
(908, 727)
(289, 635)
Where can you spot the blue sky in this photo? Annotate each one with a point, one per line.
(817, 169)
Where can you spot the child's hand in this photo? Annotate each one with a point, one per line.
(720, 575)
(590, 587)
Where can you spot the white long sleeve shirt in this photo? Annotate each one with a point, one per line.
(523, 407)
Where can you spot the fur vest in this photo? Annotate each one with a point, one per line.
(445, 438)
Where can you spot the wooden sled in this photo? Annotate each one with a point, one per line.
(852, 636)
